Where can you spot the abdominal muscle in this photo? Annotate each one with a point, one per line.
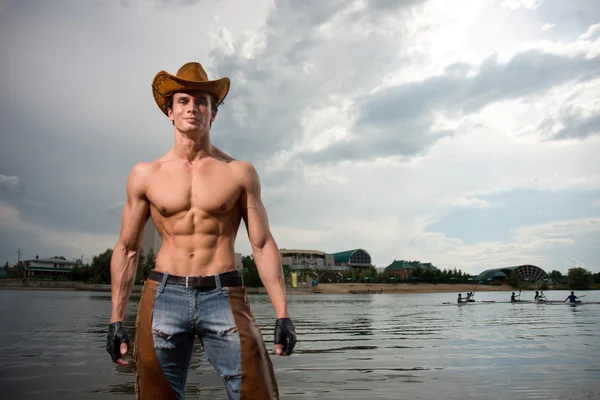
(196, 243)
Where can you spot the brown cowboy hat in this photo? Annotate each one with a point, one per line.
(191, 76)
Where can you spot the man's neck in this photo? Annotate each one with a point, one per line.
(192, 148)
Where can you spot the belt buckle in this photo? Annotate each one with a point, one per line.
(186, 282)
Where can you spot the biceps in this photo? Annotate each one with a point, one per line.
(135, 215)
(257, 224)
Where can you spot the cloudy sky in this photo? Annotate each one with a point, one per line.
(465, 133)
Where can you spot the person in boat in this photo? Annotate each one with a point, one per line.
(459, 300)
(537, 296)
(468, 298)
(512, 297)
(542, 296)
(572, 298)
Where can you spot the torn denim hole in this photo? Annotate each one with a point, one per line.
(229, 331)
(235, 388)
(161, 340)
(161, 334)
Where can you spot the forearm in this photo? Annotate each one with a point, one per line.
(268, 263)
(123, 267)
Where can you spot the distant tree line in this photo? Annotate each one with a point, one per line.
(372, 275)
(576, 279)
(99, 270)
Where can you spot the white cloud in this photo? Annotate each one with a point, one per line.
(528, 245)
(517, 4)
(563, 231)
(546, 27)
(592, 30)
(471, 202)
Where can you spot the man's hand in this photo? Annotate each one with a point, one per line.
(117, 342)
(285, 336)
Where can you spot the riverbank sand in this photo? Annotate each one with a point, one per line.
(344, 288)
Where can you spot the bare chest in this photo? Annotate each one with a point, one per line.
(175, 190)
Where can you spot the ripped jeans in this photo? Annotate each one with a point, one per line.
(171, 316)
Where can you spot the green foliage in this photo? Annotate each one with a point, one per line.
(580, 278)
(596, 278)
(80, 273)
(146, 263)
(100, 268)
(555, 276)
(250, 273)
(513, 280)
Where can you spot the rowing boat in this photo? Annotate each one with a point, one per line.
(546, 302)
(558, 302)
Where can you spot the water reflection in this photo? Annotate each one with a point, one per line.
(350, 347)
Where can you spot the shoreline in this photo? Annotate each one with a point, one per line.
(406, 288)
(326, 288)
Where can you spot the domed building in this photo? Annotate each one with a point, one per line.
(528, 273)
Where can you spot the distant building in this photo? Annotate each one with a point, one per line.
(527, 273)
(403, 270)
(151, 238)
(356, 259)
(48, 268)
(296, 259)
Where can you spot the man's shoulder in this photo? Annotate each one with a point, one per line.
(142, 168)
(243, 168)
(142, 171)
(147, 167)
(246, 173)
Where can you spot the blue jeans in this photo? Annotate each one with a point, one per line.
(171, 316)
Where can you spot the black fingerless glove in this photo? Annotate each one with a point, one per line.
(285, 334)
(116, 335)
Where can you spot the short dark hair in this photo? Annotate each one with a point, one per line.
(213, 103)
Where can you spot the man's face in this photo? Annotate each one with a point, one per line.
(192, 111)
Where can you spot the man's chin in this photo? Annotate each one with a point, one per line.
(191, 129)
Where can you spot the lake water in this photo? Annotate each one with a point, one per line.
(350, 347)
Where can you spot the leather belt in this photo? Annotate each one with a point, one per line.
(232, 278)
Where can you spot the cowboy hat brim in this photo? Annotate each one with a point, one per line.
(165, 84)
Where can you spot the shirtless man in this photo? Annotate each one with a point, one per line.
(196, 196)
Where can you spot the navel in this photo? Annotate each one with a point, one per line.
(192, 255)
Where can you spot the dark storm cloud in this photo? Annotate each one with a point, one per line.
(163, 4)
(386, 6)
(8, 183)
(397, 121)
(526, 74)
(298, 69)
(75, 174)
